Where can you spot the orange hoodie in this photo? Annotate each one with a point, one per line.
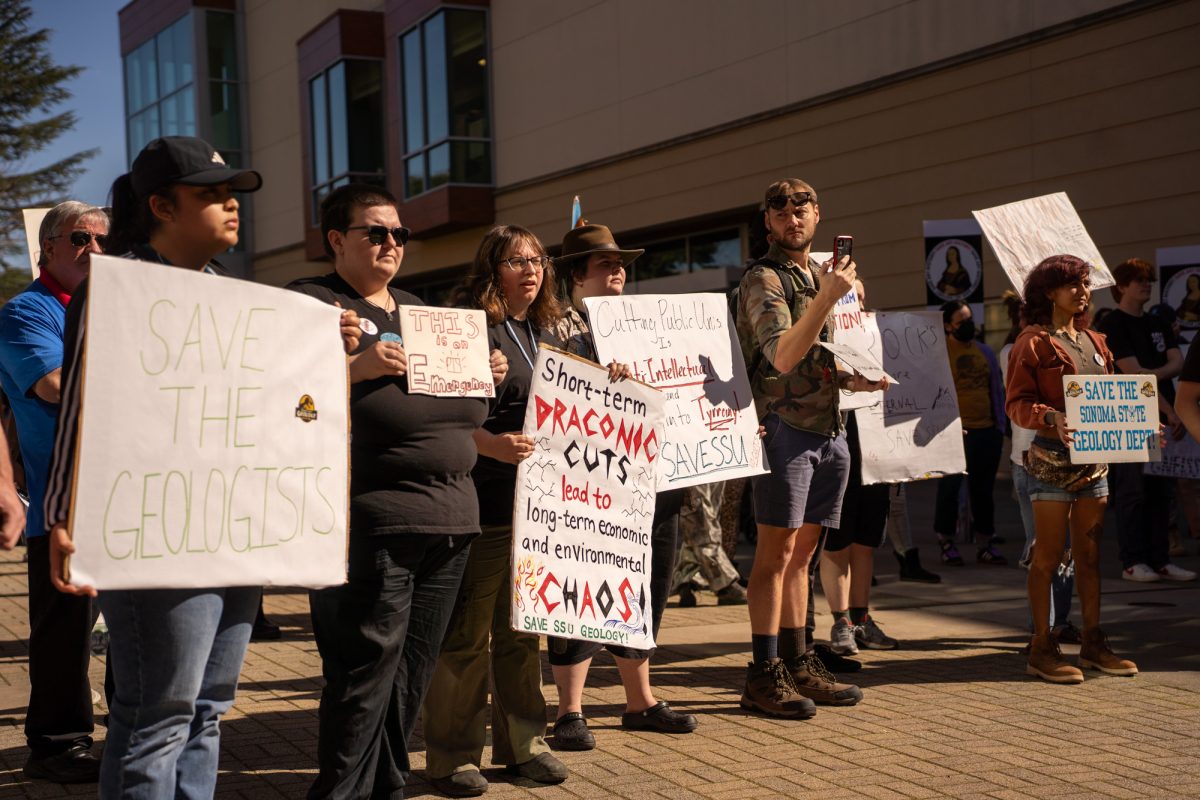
(1036, 365)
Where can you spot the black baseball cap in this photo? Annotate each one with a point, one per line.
(186, 160)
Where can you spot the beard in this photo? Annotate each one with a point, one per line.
(796, 242)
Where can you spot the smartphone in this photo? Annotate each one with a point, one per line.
(842, 246)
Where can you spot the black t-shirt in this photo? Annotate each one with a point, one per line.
(1147, 338)
(496, 481)
(411, 455)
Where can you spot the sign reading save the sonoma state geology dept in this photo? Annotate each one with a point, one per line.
(684, 344)
(584, 504)
(1115, 418)
(212, 444)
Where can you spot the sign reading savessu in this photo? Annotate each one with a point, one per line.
(584, 504)
(212, 447)
(1115, 418)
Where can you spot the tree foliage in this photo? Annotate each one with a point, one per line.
(31, 89)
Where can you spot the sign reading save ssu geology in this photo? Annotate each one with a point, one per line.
(1115, 418)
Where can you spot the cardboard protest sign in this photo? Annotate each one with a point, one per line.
(954, 262)
(1024, 233)
(1179, 277)
(213, 434)
(33, 222)
(447, 351)
(856, 329)
(1180, 459)
(858, 361)
(584, 504)
(685, 345)
(915, 433)
(1115, 418)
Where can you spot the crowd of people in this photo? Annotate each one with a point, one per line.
(421, 627)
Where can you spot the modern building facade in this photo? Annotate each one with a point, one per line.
(669, 118)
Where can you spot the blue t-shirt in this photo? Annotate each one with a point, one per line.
(31, 347)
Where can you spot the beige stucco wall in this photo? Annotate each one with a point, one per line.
(579, 80)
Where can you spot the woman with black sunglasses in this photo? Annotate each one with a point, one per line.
(413, 513)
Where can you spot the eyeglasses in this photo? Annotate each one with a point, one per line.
(798, 199)
(377, 234)
(519, 263)
(83, 238)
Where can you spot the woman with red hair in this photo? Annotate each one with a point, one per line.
(1067, 498)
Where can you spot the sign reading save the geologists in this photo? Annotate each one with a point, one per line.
(447, 351)
(584, 504)
(212, 442)
(684, 344)
(1115, 418)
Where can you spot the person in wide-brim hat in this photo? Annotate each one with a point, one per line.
(588, 239)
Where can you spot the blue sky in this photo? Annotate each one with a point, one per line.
(84, 33)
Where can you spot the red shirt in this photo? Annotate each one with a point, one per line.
(56, 289)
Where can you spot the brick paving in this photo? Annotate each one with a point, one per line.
(949, 715)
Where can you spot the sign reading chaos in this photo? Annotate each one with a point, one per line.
(584, 504)
(684, 344)
(212, 443)
(447, 351)
(1115, 418)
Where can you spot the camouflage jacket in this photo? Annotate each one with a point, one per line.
(573, 334)
(805, 397)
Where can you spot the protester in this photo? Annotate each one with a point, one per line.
(848, 555)
(12, 510)
(591, 265)
(1187, 400)
(702, 555)
(1144, 344)
(795, 384)
(1187, 490)
(58, 723)
(175, 653)
(899, 532)
(981, 407)
(1067, 499)
(512, 279)
(1062, 582)
(413, 513)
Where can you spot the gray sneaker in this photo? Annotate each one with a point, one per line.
(871, 637)
(841, 638)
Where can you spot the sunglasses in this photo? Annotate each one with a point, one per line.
(83, 238)
(798, 199)
(377, 234)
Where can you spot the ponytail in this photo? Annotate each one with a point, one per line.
(132, 219)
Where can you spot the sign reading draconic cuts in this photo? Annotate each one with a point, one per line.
(684, 344)
(1115, 418)
(212, 443)
(584, 504)
(447, 351)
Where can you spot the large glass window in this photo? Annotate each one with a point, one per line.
(160, 95)
(346, 101)
(447, 133)
(665, 258)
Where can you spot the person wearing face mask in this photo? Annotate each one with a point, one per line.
(980, 391)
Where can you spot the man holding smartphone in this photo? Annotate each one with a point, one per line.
(796, 385)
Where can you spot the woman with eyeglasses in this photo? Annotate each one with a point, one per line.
(413, 513)
(175, 653)
(511, 279)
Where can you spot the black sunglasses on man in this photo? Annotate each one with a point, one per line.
(798, 199)
(377, 234)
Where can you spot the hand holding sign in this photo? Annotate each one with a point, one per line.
(1111, 418)
(382, 359)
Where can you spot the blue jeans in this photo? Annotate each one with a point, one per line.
(1062, 586)
(176, 655)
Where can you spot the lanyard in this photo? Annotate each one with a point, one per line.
(532, 341)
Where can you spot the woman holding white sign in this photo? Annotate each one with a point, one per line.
(175, 653)
(512, 279)
(1067, 498)
(413, 513)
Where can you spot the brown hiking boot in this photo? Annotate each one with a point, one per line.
(1046, 662)
(815, 682)
(769, 690)
(1096, 654)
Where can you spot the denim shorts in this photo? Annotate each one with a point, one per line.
(1040, 490)
(808, 477)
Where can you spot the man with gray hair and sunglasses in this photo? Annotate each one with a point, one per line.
(58, 723)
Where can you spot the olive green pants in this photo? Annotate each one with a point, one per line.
(454, 718)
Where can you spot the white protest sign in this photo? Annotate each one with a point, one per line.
(1115, 418)
(858, 361)
(585, 503)
(33, 223)
(447, 351)
(213, 434)
(1180, 459)
(915, 433)
(685, 345)
(1024, 233)
(850, 328)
